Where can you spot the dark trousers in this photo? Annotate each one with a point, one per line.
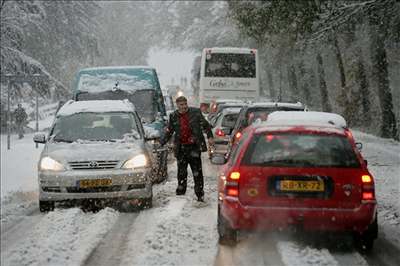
(20, 130)
(189, 154)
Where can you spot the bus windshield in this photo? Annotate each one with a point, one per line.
(230, 65)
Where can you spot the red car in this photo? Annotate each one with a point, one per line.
(300, 169)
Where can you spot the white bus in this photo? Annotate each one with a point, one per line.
(229, 73)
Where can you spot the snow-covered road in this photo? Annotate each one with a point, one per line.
(177, 230)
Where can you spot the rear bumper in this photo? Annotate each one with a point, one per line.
(309, 219)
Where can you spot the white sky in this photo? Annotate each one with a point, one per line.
(171, 65)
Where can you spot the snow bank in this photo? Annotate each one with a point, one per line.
(62, 237)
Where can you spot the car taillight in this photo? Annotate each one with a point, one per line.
(232, 185)
(368, 188)
(238, 135)
(235, 176)
(220, 133)
(233, 192)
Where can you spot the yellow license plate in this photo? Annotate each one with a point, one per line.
(302, 185)
(87, 183)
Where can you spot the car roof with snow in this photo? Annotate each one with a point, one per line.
(297, 105)
(284, 120)
(231, 110)
(228, 101)
(102, 106)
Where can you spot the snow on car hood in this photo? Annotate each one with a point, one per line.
(93, 151)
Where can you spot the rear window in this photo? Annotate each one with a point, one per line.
(230, 65)
(261, 113)
(300, 150)
(229, 120)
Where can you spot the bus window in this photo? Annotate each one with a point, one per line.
(230, 65)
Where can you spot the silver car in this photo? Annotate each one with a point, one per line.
(95, 150)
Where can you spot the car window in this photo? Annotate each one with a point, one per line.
(144, 100)
(236, 148)
(95, 127)
(229, 120)
(301, 150)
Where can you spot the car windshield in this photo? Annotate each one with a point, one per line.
(300, 150)
(143, 100)
(94, 127)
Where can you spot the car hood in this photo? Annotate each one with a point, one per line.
(94, 151)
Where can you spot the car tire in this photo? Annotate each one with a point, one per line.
(365, 241)
(226, 234)
(46, 206)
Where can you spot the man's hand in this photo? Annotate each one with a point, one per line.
(211, 141)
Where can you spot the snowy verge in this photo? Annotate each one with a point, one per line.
(62, 237)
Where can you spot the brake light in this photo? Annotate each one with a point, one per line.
(368, 188)
(220, 133)
(234, 192)
(235, 176)
(238, 135)
(270, 138)
(368, 196)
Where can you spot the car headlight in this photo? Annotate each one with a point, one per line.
(137, 161)
(50, 164)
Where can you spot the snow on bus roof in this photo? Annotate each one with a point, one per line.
(229, 49)
(102, 106)
(293, 118)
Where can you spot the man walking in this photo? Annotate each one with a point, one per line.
(188, 125)
(20, 120)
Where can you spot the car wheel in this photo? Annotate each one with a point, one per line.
(365, 241)
(46, 206)
(227, 235)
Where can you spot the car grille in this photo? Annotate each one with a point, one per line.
(51, 189)
(93, 189)
(90, 165)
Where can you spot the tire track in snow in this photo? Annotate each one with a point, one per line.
(112, 247)
(254, 249)
(62, 237)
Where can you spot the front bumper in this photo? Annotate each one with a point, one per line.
(309, 219)
(126, 184)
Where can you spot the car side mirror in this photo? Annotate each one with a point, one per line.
(39, 138)
(359, 146)
(218, 159)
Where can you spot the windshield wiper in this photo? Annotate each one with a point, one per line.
(106, 140)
